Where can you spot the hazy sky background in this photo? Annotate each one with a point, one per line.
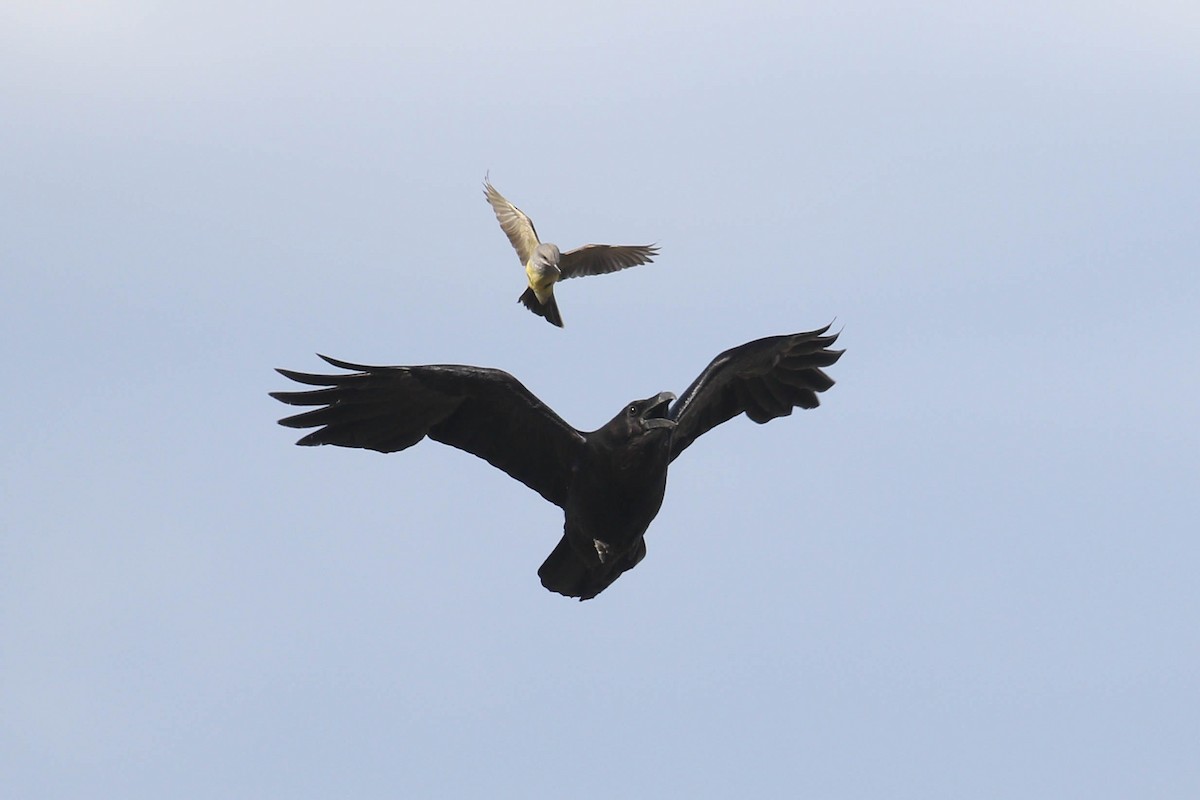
(972, 573)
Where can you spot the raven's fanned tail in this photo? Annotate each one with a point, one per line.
(566, 573)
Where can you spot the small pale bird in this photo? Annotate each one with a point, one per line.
(545, 265)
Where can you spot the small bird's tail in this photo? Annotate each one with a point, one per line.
(549, 310)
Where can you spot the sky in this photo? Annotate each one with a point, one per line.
(970, 573)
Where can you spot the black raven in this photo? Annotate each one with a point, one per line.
(609, 482)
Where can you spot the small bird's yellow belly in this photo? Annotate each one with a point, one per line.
(541, 282)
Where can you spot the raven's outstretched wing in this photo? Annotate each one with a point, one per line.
(765, 379)
(598, 259)
(486, 412)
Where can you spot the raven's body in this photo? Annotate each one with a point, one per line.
(609, 482)
(616, 490)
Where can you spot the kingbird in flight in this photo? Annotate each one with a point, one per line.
(545, 265)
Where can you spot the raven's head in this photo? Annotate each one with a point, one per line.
(642, 417)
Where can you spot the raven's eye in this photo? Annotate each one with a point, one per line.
(633, 411)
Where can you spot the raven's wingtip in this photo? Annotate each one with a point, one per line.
(291, 374)
(337, 362)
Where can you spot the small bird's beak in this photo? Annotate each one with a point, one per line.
(655, 415)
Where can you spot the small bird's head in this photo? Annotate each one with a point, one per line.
(545, 258)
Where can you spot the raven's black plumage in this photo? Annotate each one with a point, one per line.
(609, 482)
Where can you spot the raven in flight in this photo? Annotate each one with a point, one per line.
(609, 482)
(545, 265)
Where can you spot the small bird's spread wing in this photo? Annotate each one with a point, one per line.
(597, 259)
(764, 379)
(516, 226)
(486, 412)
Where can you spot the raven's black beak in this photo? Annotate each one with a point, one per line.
(657, 408)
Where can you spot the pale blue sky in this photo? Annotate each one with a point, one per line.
(971, 573)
